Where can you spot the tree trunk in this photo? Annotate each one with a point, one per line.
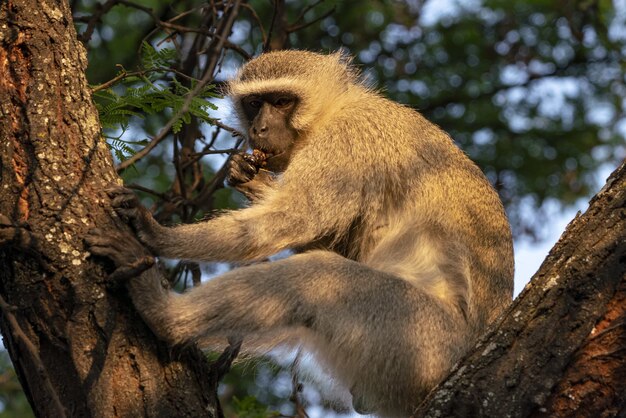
(78, 347)
(560, 350)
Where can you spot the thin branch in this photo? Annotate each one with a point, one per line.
(233, 47)
(195, 157)
(227, 128)
(55, 407)
(141, 188)
(221, 38)
(226, 359)
(266, 44)
(295, 28)
(126, 74)
(94, 19)
(310, 7)
(226, 28)
(167, 24)
(215, 151)
(217, 180)
(194, 9)
(256, 17)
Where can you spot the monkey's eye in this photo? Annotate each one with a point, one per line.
(255, 103)
(283, 102)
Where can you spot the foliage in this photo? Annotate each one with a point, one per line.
(13, 403)
(250, 407)
(268, 380)
(149, 91)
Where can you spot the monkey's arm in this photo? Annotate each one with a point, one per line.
(289, 216)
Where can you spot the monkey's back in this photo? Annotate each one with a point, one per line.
(426, 207)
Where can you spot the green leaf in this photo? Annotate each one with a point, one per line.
(250, 407)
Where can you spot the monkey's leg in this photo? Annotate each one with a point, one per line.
(385, 338)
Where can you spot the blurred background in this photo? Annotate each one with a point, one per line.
(533, 91)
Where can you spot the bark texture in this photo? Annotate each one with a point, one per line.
(560, 350)
(78, 347)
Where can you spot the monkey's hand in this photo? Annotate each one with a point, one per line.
(129, 257)
(242, 168)
(245, 174)
(127, 206)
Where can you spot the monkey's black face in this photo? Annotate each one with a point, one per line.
(269, 116)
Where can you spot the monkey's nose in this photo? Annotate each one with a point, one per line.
(260, 131)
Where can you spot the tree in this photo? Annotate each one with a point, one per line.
(79, 349)
(60, 316)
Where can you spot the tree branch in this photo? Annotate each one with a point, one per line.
(228, 21)
(56, 407)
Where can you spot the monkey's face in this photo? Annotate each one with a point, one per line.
(269, 117)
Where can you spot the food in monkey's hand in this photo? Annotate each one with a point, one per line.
(262, 160)
(276, 163)
(259, 158)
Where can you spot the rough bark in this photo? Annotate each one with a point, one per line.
(560, 350)
(78, 347)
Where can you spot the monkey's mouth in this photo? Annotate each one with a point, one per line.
(267, 153)
(271, 160)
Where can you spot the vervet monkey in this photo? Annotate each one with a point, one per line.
(404, 252)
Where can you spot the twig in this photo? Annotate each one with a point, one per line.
(295, 28)
(306, 10)
(233, 131)
(215, 151)
(226, 27)
(141, 188)
(233, 47)
(266, 44)
(226, 359)
(217, 180)
(94, 19)
(55, 408)
(126, 74)
(256, 17)
(296, 387)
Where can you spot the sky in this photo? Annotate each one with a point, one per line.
(529, 255)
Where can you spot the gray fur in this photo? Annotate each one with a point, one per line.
(407, 252)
